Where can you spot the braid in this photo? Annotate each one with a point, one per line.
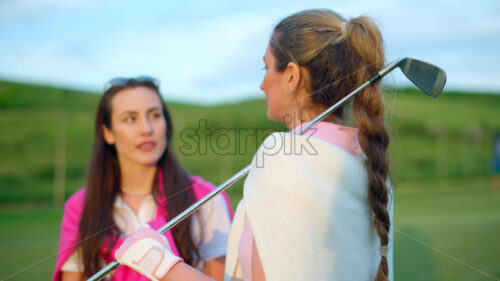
(374, 140)
(373, 135)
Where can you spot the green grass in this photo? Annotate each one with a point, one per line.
(29, 239)
(447, 230)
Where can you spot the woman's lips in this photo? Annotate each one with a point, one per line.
(147, 146)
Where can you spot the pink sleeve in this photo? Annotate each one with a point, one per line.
(69, 230)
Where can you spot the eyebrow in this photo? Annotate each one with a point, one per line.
(135, 112)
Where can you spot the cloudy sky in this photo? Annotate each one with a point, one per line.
(211, 51)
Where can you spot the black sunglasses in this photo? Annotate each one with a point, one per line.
(124, 82)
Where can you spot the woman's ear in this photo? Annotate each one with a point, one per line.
(108, 135)
(292, 76)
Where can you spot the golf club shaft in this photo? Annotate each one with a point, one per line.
(110, 267)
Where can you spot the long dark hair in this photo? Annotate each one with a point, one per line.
(340, 55)
(103, 185)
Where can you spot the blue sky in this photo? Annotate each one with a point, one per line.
(211, 51)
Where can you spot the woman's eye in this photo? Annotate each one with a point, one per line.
(129, 119)
(157, 115)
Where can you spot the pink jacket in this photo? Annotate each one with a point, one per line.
(71, 219)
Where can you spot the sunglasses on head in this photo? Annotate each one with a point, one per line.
(124, 82)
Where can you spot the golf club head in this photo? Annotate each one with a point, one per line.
(427, 77)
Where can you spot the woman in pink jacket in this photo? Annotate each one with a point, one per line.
(134, 180)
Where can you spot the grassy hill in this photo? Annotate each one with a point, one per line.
(446, 137)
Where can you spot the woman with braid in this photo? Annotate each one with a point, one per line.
(316, 206)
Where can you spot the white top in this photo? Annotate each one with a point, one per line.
(306, 203)
(212, 241)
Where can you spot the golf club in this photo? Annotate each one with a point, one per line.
(427, 77)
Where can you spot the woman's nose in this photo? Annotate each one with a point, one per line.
(147, 127)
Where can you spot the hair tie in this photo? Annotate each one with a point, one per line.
(383, 251)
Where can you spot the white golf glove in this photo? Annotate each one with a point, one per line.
(148, 253)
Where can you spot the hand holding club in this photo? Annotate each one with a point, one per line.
(147, 252)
